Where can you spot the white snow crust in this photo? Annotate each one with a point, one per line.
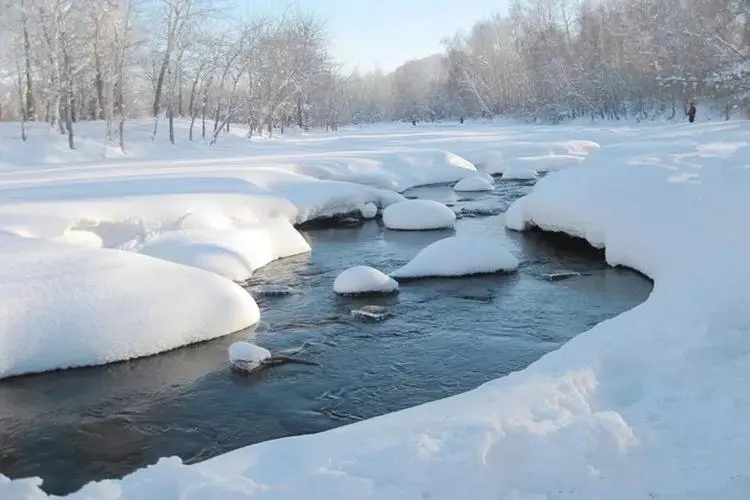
(363, 279)
(418, 215)
(459, 256)
(474, 183)
(519, 173)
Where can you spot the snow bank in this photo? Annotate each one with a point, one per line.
(64, 306)
(519, 173)
(459, 256)
(229, 251)
(474, 183)
(363, 279)
(418, 215)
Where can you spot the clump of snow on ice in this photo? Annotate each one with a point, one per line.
(363, 279)
(519, 173)
(459, 256)
(368, 210)
(416, 215)
(474, 183)
(248, 352)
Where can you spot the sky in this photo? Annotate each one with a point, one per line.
(384, 34)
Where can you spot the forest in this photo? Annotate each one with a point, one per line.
(543, 60)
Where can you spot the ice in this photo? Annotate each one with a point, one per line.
(459, 256)
(519, 173)
(418, 215)
(474, 183)
(363, 279)
(64, 306)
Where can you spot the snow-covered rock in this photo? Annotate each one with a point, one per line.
(519, 173)
(474, 183)
(247, 351)
(363, 279)
(246, 356)
(459, 256)
(417, 215)
(368, 210)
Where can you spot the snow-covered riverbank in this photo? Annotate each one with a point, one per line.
(647, 405)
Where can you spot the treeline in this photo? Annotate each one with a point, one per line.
(70, 60)
(556, 60)
(112, 60)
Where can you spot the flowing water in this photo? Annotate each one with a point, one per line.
(445, 336)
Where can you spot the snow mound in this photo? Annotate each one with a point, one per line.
(246, 351)
(474, 183)
(247, 357)
(363, 279)
(64, 306)
(416, 215)
(368, 210)
(459, 256)
(231, 252)
(519, 173)
(546, 163)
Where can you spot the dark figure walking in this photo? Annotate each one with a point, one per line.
(691, 112)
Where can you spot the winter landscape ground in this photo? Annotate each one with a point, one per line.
(106, 257)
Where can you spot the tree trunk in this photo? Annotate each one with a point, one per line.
(160, 84)
(170, 112)
(299, 111)
(28, 105)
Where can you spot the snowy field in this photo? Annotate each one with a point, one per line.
(105, 257)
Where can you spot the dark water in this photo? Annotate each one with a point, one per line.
(446, 336)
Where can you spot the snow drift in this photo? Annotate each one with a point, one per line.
(64, 306)
(459, 256)
(363, 279)
(418, 215)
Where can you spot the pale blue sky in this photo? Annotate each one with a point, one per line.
(386, 33)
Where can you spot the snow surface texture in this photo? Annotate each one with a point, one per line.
(459, 256)
(363, 279)
(519, 173)
(474, 183)
(418, 215)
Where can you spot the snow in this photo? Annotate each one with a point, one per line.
(519, 173)
(418, 215)
(232, 252)
(65, 306)
(368, 210)
(649, 404)
(474, 183)
(459, 256)
(248, 355)
(363, 279)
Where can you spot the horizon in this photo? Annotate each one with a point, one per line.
(367, 37)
